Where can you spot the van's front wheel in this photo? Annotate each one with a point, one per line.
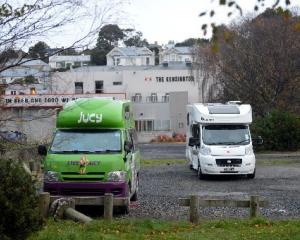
(134, 197)
(199, 173)
(251, 175)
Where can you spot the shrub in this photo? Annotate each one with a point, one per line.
(279, 130)
(18, 202)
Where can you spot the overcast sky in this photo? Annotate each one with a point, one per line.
(164, 20)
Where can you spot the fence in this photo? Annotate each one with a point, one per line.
(108, 201)
(194, 202)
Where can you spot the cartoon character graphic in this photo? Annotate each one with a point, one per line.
(82, 164)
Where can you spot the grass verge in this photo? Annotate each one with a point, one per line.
(278, 162)
(262, 162)
(154, 229)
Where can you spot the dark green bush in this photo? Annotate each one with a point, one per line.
(19, 215)
(279, 130)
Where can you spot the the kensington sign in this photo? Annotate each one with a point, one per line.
(50, 100)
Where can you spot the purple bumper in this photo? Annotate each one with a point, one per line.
(118, 189)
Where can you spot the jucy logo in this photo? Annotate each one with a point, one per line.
(90, 117)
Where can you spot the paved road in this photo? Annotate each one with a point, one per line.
(161, 186)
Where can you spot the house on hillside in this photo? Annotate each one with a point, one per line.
(130, 56)
(25, 78)
(67, 61)
(36, 70)
(176, 54)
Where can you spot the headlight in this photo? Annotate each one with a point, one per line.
(248, 150)
(51, 176)
(116, 176)
(205, 150)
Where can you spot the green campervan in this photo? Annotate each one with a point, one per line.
(94, 151)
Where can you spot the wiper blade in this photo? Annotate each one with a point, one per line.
(72, 151)
(106, 151)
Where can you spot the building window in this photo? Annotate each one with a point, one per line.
(78, 87)
(60, 64)
(136, 98)
(13, 92)
(144, 125)
(32, 91)
(77, 64)
(152, 98)
(117, 61)
(98, 86)
(166, 98)
(147, 60)
(117, 83)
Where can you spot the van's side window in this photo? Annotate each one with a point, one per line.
(195, 130)
(130, 139)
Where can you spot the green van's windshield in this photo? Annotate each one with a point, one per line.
(96, 141)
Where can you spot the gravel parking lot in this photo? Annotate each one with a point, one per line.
(162, 185)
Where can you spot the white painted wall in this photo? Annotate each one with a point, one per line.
(135, 80)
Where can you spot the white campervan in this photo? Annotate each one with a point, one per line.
(219, 139)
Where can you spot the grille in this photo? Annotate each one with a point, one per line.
(77, 173)
(89, 176)
(229, 162)
(83, 179)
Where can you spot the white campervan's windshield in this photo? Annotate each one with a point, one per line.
(226, 135)
(81, 141)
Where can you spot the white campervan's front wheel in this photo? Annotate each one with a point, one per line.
(251, 175)
(199, 172)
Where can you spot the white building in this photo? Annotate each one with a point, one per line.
(130, 56)
(36, 69)
(159, 93)
(61, 61)
(176, 54)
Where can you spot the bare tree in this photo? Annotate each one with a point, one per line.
(23, 22)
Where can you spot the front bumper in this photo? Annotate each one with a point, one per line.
(118, 189)
(209, 165)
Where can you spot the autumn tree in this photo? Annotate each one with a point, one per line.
(256, 61)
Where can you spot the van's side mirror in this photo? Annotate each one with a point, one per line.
(42, 150)
(194, 142)
(257, 140)
(127, 146)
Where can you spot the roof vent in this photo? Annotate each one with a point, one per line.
(234, 102)
(223, 109)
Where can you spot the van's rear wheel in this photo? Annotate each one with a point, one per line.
(124, 209)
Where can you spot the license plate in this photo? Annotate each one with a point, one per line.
(229, 169)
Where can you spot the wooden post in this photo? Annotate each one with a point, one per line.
(108, 206)
(194, 209)
(74, 215)
(254, 206)
(44, 202)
